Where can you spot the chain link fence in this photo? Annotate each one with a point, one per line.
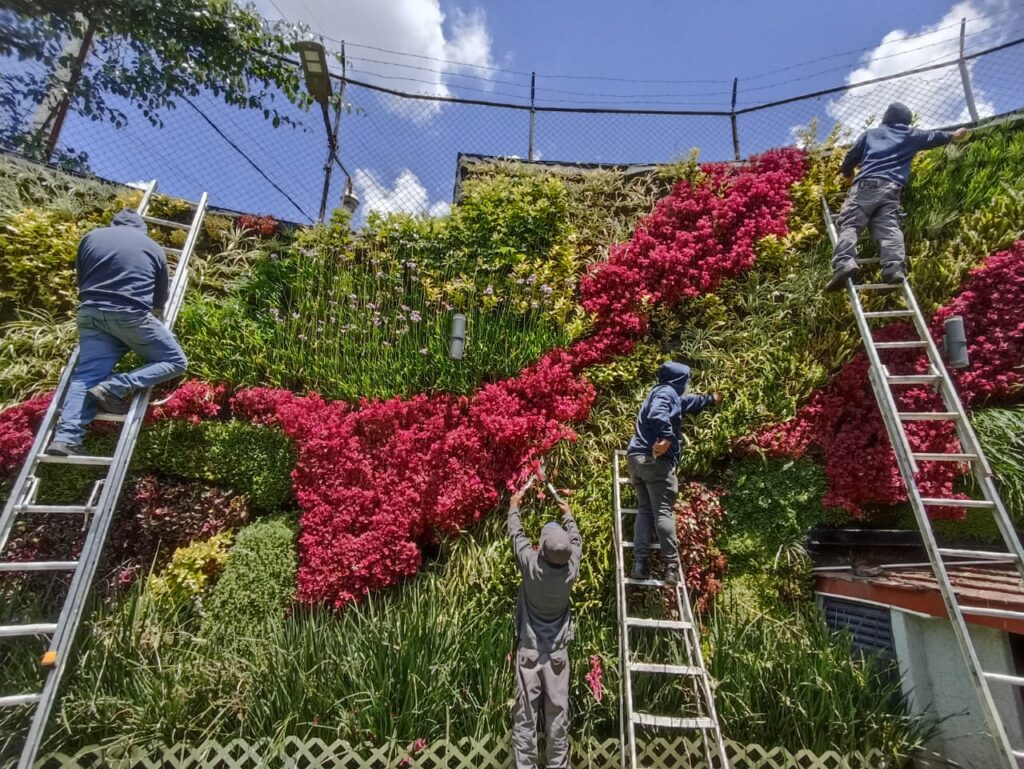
(401, 149)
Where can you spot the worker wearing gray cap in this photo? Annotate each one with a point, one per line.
(543, 631)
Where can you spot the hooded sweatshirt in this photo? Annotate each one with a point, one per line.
(885, 152)
(661, 415)
(543, 614)
(121, 268)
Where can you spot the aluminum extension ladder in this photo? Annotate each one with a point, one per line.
(971, 452)
(705, 722)
(96, 512)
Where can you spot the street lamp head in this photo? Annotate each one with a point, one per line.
(314, 67)
(349, 201)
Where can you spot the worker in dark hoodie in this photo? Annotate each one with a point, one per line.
(122, 290)
(653, 454)
(884, 155)
(543, 631)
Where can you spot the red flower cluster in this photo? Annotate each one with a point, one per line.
(192, 401)
(699, 518)
(263, 226)
(843, 420)
(18, 428)
(697, 236)
(378, 483)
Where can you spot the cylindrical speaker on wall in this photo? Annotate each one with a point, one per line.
(955, 343)
(458, 341)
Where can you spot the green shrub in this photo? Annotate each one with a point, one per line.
(253, 459)
(185, 578)
(770, 505)
(256, 586)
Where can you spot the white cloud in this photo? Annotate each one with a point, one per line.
(405, 195)
(936, 97)
(410, 26)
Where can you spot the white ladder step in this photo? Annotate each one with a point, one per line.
(672, 722)
(629, 545)
(103, 416)
(38, 565)
(54, 509)
(984, 611)
(645, 582)
(628, 510)
(1004, 678)
(889, 314)
(928, 416)
(659, 624)
(984, 504)
(988, 555)
(75, 460)
(902, 345)
(155, 220)
(671, 670)
(14, 700)
(926, 456)
(14, 631)
(169, 250)
(912, 379)
(876, 286)
(868, 261)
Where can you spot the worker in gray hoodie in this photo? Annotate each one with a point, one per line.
(884, 155)
(653, 454)
(122, 290)
(543, 631)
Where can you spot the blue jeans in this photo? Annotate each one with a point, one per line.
(656, 487)
(104, 336)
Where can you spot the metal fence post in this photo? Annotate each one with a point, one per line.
(533, 112)
(732, 119)
(965, 76)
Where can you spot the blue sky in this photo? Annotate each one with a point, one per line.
(402, 153)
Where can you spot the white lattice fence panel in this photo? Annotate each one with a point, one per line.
(488, 753)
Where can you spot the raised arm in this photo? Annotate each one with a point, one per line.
(521, 545)
(575, 540)
(696, 402)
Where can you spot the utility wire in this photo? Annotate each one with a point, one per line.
(248, 159)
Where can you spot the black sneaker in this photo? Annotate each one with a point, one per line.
(107, 401)
(671, 574)
(62, 449)
(895, 279)
(839, 278)
(639, 572)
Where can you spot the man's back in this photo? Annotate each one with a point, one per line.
(885, 152)
(121, 268)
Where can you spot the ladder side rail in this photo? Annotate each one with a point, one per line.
(968, 439)
(147, 197)
(179, 283)
(627, 728)
(19, 487)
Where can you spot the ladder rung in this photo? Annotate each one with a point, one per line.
(14, 700)
(928, 416)
(889, 314)
(624, 480)
(54, 509)
(988, 555)
(912, 379)
(1004, 678)
(937, 502)
(75, 460)
(983, 611)
(1018, 754)
(13, 631)
(672, 722)
(901, 345)
(38, 565)
(670, 670)
(628, 510)
(645, 582)
(166, 223)
(659, 624)
(871, 260)
(653, 545)
(926, 456)
(103, 416)
(876, 286)
(170, 250)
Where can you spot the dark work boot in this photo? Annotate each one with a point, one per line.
(894, 278)
(62, 449)
(639, 571)
(840, 276)
(671, 574)
(107, 401)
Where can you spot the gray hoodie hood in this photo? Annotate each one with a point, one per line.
(129, 218)
(555, 547)
(897, 114)
(675, 375)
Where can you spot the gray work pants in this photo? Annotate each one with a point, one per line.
(873, 203)
(542, 680)
(656, 487)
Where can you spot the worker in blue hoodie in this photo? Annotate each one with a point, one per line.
(653, 454)
(122, 290)
(884, 155)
